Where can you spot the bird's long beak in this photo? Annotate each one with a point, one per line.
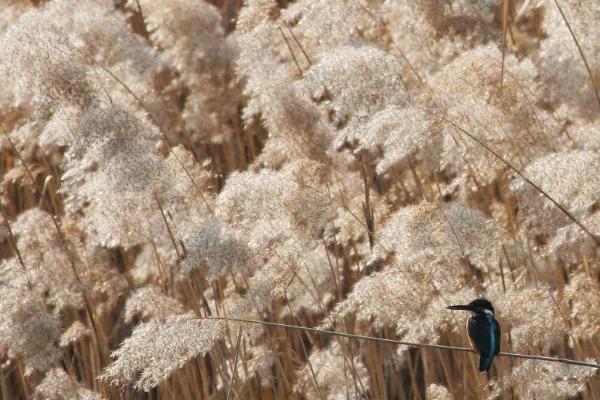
(465, 307)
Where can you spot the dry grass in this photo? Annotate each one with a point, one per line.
(171, 169)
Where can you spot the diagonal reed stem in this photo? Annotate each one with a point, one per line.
(580, 50)
(526, 179)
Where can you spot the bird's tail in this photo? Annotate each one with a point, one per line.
(485, 362)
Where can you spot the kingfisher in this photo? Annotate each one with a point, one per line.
(483, 329)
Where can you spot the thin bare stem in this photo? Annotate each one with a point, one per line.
(310, 366)
(585, 61)
(505, 5)
(409, 344)
(235, 361)
(367, 207)
(18, 154)
(525, 178)
(300, 46)
(13, 240)
(291, 51)
(171, 236)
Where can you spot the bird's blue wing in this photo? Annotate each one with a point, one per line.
(485, 335)
(480, 334)
(498, 337)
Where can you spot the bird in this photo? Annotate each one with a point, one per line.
(483, 330)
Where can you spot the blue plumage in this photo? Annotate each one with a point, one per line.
(483, 330)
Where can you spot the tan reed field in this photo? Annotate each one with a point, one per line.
(261, 199)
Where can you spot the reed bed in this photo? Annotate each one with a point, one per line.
(269, 199)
